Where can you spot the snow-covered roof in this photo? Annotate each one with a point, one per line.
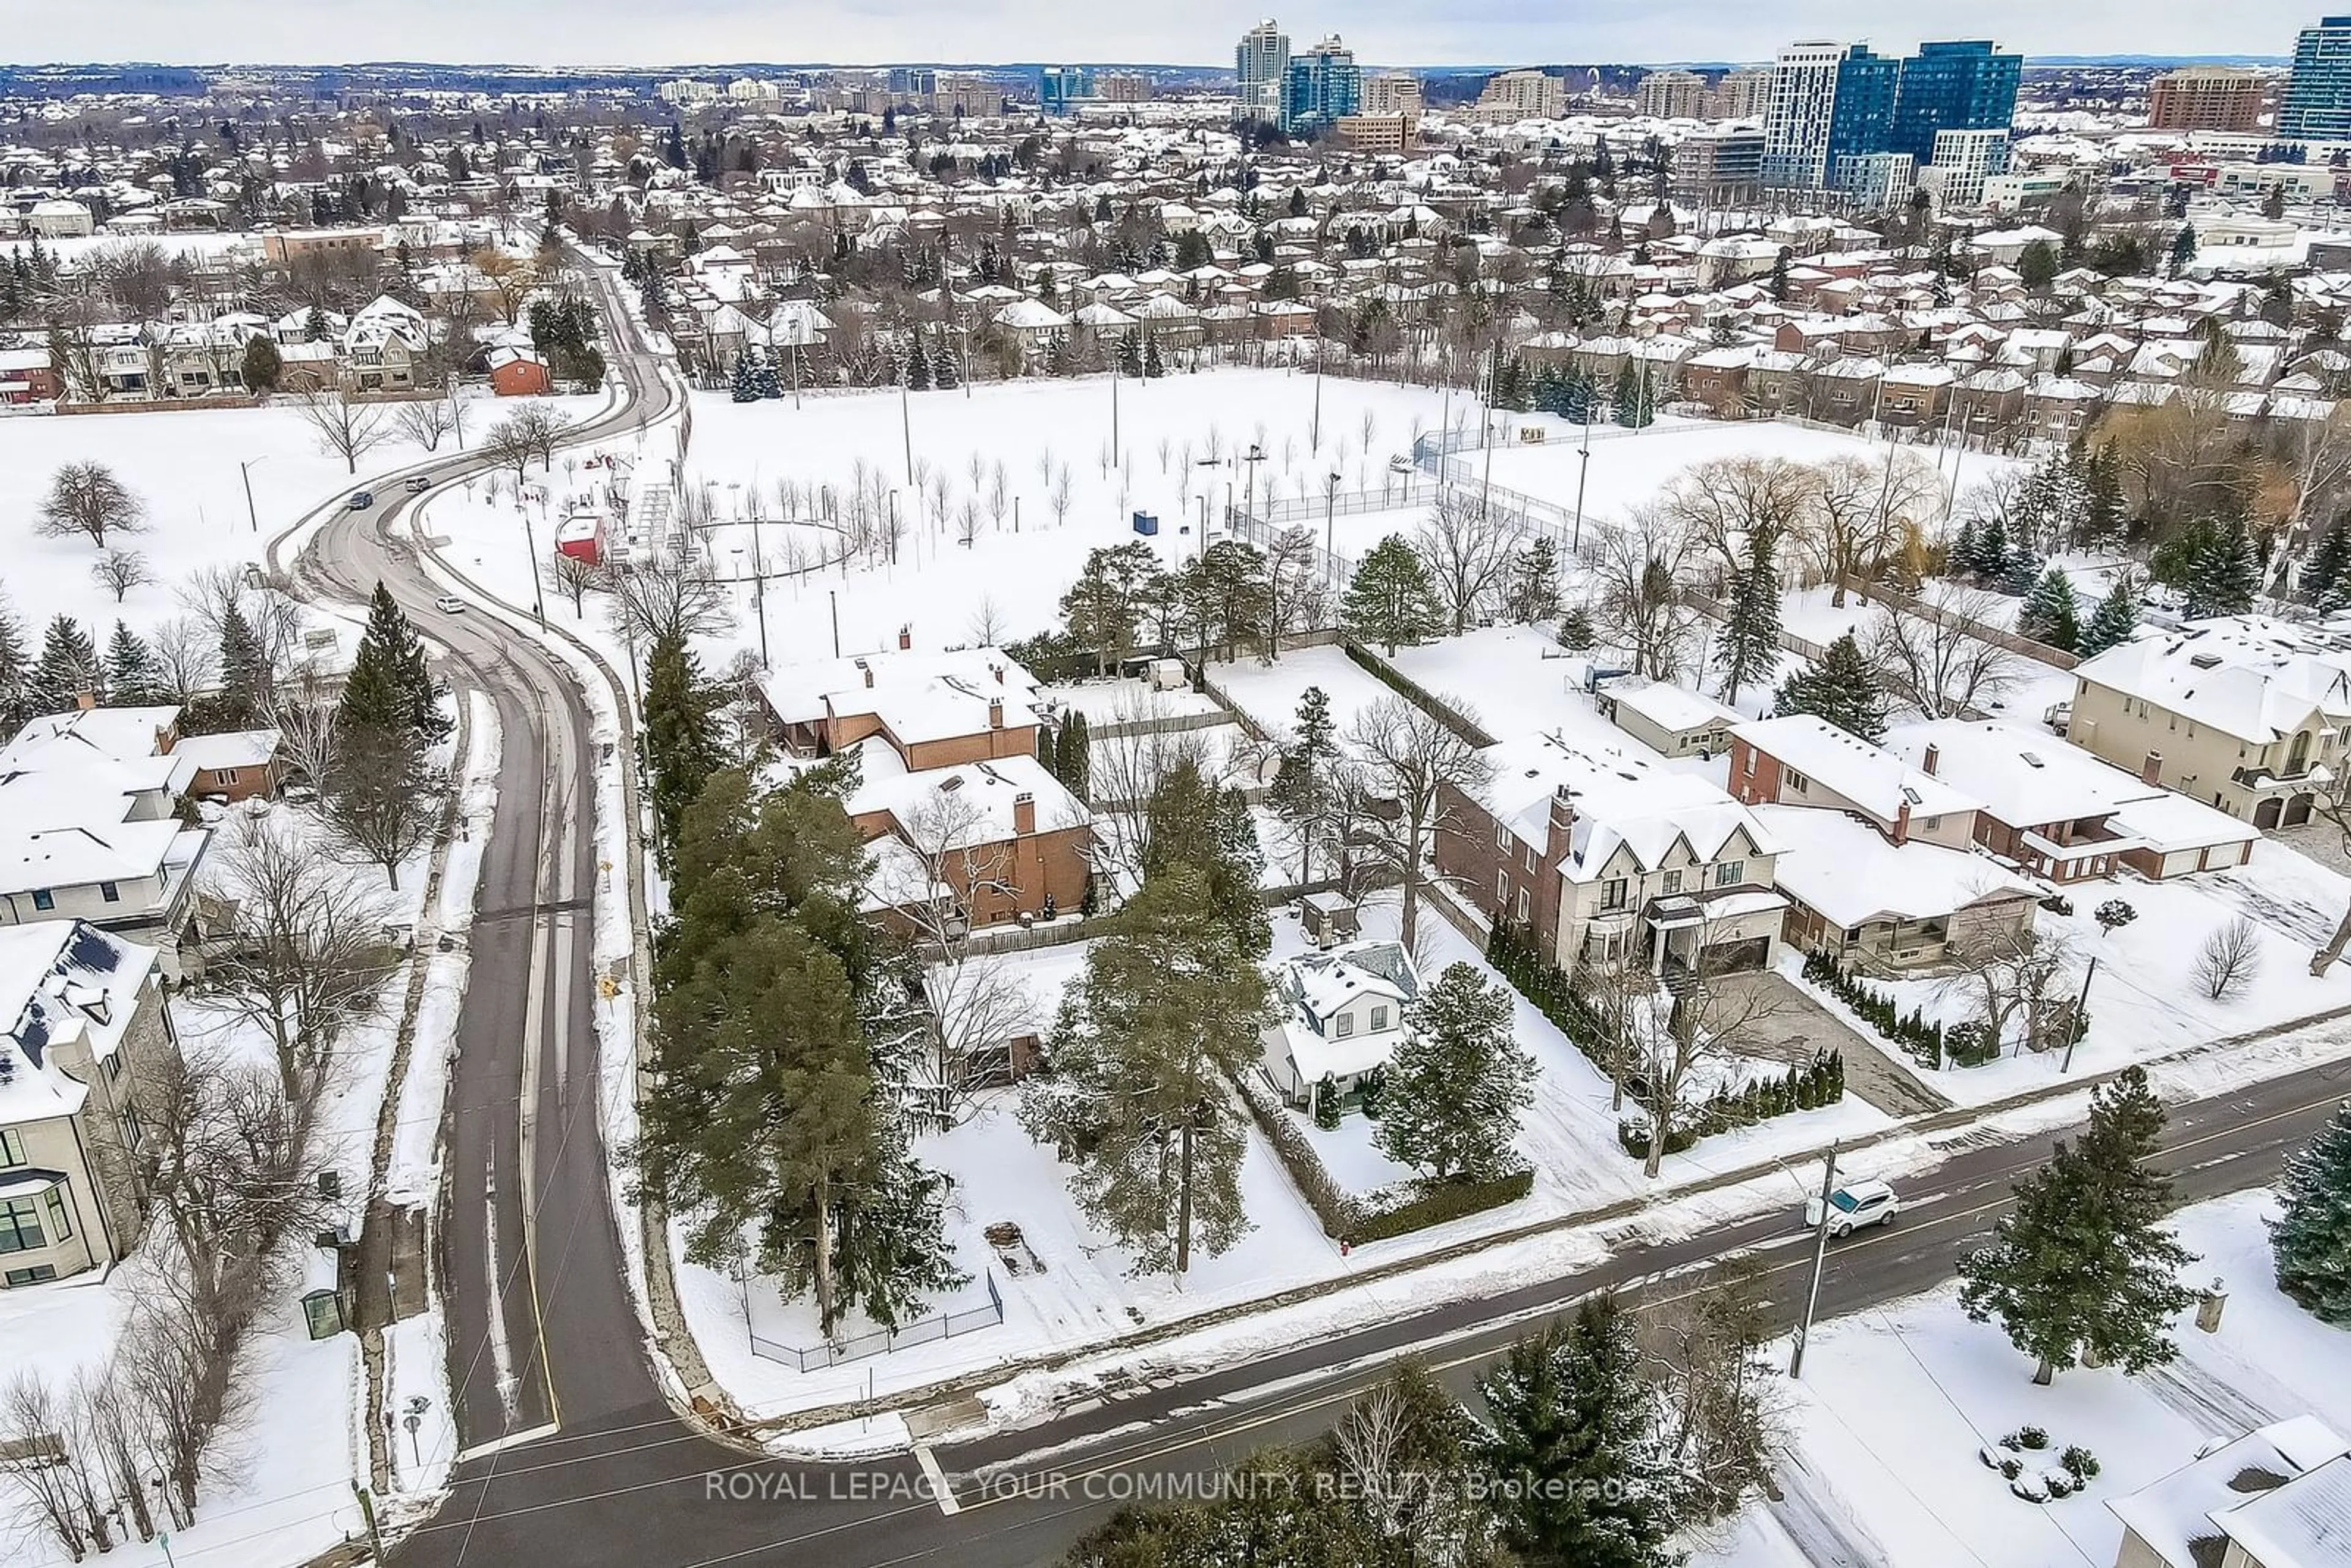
(60, 981)
(2249, 676)
(1874, 779)
(2023, 777)
(1314, 986)
(1623, 800)
(1843, 868)
(808, 691)
(973, 804)
(231, 749)
(2179, 1516)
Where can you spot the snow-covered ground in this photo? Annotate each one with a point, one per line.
(1896, 1401)
(184, 464)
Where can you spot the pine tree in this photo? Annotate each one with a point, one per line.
(1194, 825)
(1167, 1011)
(679, 737)
(391, 641)
(2019, 573)
(1573, 1444)
(2224, 574)
(1532, 594)
(767, 381)
(2114, 621)
(244, 674)
(1073, 757)
(741, 389)
(2325, 568)
(68, 669)
(1457, 1085)
(918, 365)
(946, 374)
(1130, 354)
(1153, 366)
(1304, 793)
(2310, 1237)
(1982, 552)
(2083, 1266)
(1576, 632)
(1750, 646)
(133, 679)
(15, 695)
(2049, 613)
(1391, 600)
(1627, 394)
(1842, 689)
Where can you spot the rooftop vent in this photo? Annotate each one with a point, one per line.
(2032, 760)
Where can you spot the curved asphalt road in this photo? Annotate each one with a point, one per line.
(574, 1456)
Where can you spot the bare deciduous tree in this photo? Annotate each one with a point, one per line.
(1638, 601)
(119, 570)
(1468, 552)
(987, 623)
(1417, 764)
(1930, 658)
(1296, 595)
(1129, 758)
(1720, 503)
(346, 428)
(186, 657)
(2230, 959)
(1672, 1035)
(1857, 511)
(87, 498)
(574, 576)
(673, 594)
(309, 955)
(427, 422)
(2012, 975)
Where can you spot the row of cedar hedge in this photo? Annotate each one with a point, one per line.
(1514, 955)
(1377, 1216)
(1413, 692)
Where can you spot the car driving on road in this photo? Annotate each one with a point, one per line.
(361, 500)
(449, 604)
(419, 484)
(1854, 1204)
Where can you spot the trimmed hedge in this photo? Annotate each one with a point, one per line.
(1819, 1082)
(1376, 1216)
(1418, 695)
(1913, 1031)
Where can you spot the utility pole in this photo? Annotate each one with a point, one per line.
(367, 1512)
(833, 594)
(906, 425)
(2081, 1011)
(245, 470)
(760, 584)
(1820, 1261)
(1576, 544)
(1314, 431)
(530, 545)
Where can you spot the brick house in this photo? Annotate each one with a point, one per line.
(1605, 855)
(935, 709)
(1801, 759)
(964, 847)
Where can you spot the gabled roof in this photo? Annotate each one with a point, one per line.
(2249, 676)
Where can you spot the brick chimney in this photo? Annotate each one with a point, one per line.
(995, 713)
(1024, 814)
(1926, 763)
(905, 636)
(1902, 824)
(1561, 833)
(85, 701)
(2151, 770)
(866, 670)
(997, 671)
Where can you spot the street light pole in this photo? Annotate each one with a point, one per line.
(245, 470)
(759, 585)
(1582, 470)
(1820, 1261)
(530, 544)
(2081, 1011)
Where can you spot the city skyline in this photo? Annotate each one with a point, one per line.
(884, 31)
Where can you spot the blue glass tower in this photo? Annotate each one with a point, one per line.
(1953, 87)
(1863, 116)
(2317, 102)
(1321, 84)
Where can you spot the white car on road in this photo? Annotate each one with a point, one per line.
(449, 604)
(1854, 1204)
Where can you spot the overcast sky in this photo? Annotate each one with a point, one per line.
(1416, 32)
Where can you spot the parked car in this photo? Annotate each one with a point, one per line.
(449, 604)
(1399, 464)
(361, 500)
(419, 484)
(1854, 1204)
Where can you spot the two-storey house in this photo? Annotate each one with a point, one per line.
(1339, 1015)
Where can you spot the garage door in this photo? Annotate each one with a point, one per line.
(2297, 811)
(2266, 815)
(1749, 953)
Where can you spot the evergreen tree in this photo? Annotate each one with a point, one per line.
(16, 694)
(1391, 600)
(946, 373)
(2114, 621)
(1130, 354)
(1576, 632)
(2310, 1237)
(2083, 1266)
(1457, 1085)
(1153, 366)
(1532, 593)
(133, 679)
(1749, 648)
(394, 652)
(1304, 793)
(2224, 574)
(918, 365)
(68, 669)
(1572, 1443)
(1166, 1013)
(1842, 689)
(767, 381)
(743, 388)
(1073, 757)
(1103, 610)
(1627, 394)
(1982, 551)
(1637, 406)
(2018, 574)
(262, 364)
(2049, 613)
(2183, 248)
(680, 735)
(2325, 568)
(244, 674)
(1192, 824)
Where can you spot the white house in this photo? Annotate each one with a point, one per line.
(2278, 1497)
(1341, 1013)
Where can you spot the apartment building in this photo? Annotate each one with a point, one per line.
(1378, 133)
(2316, 106)
(1394, 93)
(1671, 95)
(2207, 98)
(1524, 95)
